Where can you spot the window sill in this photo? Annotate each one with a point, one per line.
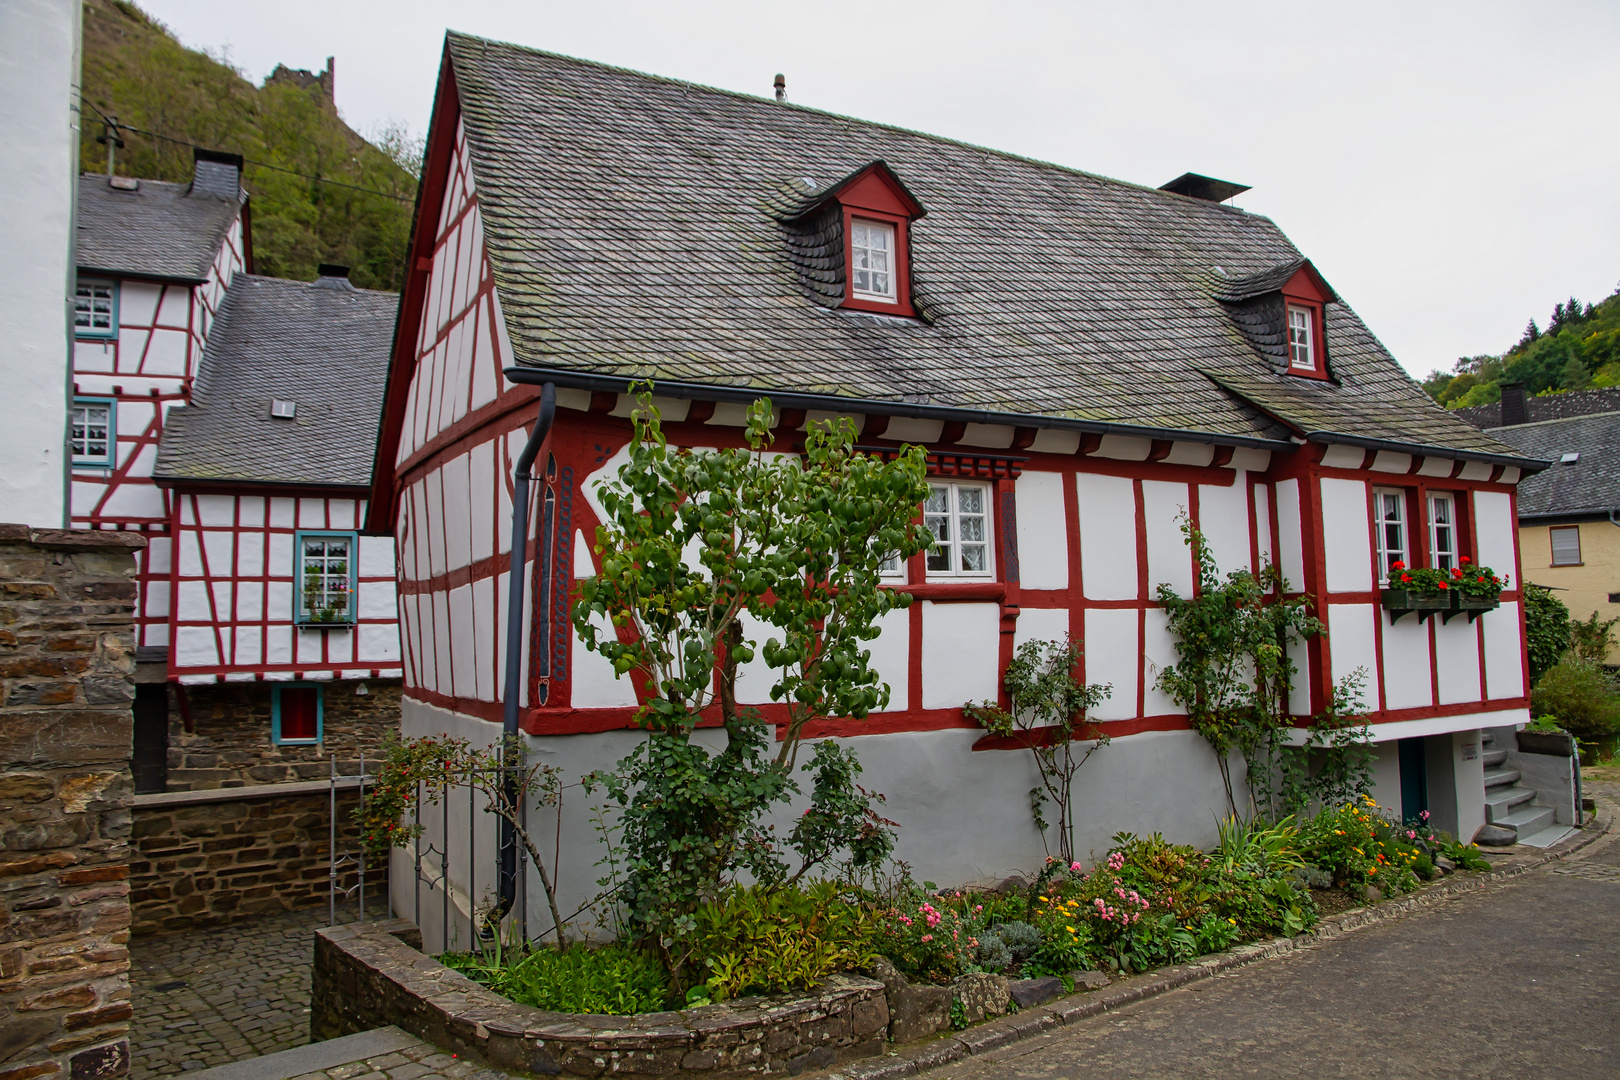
(324, 625)
(1563, 565)
(955, 590)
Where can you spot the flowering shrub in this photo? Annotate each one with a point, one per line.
(931, 937)
(1418, 579)
(1361, 844)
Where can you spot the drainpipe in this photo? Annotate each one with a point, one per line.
(515, 611)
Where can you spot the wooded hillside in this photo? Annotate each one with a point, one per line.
(304, 163)
(1579, 349)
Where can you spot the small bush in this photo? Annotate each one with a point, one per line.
(1020, 937)
(767, 940)
(993, 954)
(1581, 696)
(614, 979)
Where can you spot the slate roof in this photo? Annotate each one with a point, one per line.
(160, 230)
(635, 228)
(1547, 407)
(1589, 486)
(323, 345)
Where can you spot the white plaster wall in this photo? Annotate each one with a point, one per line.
(1158, 653)
(1291, 557)
(1169, 557)
(964, 815)
(960, 653)
(1456, 654)
(1041, 624)
(39, 129)
(1262, 523)
(1223, 517)
(1353, 645)
(1386, 775)
(1407, 681)
(1043, 536)
(1107, 509)
(1346, 542)
(1469, 762)
(596, 685)
(1494, 533)
(1504, 668)
(1112, 656)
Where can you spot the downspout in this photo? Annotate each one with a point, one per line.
(515, 611)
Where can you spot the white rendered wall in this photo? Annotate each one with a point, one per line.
(39, 131)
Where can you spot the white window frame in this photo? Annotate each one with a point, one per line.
(951, 549)
(1552, 545)
(87, 292)
(79, 434)
(301, 613)
(1443, 549)
(857, 250)
(1388, 553)
(1301, 339)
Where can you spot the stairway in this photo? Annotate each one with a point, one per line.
(1509, 803)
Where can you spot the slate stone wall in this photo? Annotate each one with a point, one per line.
(230, 742)
(241, 853)
(66, 683)
(371, 974)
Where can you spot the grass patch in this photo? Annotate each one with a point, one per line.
(613, 979)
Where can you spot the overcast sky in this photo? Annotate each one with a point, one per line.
(1451, 168)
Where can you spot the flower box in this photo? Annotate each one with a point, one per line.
(1472, 606)
(1425, 605)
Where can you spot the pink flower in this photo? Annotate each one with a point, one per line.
(1411, 835)
(928, 937)
(1075, 866)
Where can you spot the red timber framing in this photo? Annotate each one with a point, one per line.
(147, 368)
(233, 587)
(1085, 527)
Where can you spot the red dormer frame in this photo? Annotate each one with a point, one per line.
(1307, 292)
(876, 194)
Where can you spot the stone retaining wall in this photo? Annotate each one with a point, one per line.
(213, 857)
(66, 683)
(371, 974)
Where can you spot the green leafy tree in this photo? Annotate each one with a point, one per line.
(1234, 677)
(1049, 715)
(1546, 629)
(1591, 639)
(693, 542)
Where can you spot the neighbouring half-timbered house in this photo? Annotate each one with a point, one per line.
(283, 641)
(1085, 360)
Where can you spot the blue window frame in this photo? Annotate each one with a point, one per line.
(296, 714)
(95, 308)
(325, 578)
(93, 434)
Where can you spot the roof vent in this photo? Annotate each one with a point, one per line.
(1570, 458)
(216, 173)
(124, 183)
(332, 276)
(283, 410)
(781, 87)
(1206, 188)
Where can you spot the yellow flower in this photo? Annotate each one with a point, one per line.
(1232, 921)
(1070, 929)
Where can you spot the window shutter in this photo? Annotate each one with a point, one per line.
(1566, 546)
(299, 712)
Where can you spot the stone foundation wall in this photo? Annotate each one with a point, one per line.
(371, 974)
(230, 741)
(212, 857)
(66, 667)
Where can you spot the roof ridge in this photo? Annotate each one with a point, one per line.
(307, 284)
(1551, 419)
(755, 99)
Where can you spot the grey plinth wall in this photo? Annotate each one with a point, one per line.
(368, 975)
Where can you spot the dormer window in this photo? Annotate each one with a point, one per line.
(871, 246)
(850, 241)
(1301, 338)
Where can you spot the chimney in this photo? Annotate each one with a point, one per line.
(332, 276)
(781, 87)
(1514, 407)
(216, 173)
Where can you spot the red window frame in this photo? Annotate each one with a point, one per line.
(1306, 292)
(901, 304)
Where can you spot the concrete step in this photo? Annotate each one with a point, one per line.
(313, 1057)
(1494, 758)
(1500, 777)
(1529, 819)
(1546, 838)
(1500, 801)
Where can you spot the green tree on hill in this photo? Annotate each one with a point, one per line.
(357, 213)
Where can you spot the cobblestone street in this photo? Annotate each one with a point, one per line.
(209, 997)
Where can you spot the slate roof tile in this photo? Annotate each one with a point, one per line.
(323, 345)
(1589, 486)
(635, 229)
(160, 230)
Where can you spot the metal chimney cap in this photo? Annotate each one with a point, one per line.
(781, 87)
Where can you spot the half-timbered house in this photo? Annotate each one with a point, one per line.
(232, 420)
(1086, 361)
